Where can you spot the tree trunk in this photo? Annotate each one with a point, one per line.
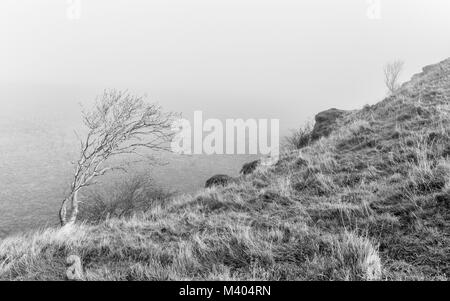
(63, 211)
(74, 211)
(63, 214)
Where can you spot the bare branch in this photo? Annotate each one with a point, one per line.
(391, 75)
(118, 124)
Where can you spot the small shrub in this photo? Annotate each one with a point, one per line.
(391, 75)
(299, 138)
(132, 196)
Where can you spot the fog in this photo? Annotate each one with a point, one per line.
(235, 58)
(229, 59)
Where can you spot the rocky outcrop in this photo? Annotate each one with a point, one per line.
(218, 180)
(326, 122)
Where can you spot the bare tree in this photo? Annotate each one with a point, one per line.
(118, 124)
(391, 75)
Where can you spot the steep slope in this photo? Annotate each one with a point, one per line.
(370, 201)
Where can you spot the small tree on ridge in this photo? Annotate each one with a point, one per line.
(118, 124)
(391, 75)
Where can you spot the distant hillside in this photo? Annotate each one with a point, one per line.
(371, 201)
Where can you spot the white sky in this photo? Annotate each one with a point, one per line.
(230, 58)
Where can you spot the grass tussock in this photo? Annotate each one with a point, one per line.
(369, 202)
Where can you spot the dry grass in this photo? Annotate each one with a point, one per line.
(370, 202)
(133, 195)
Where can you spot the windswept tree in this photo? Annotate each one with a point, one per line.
(118, 124)
(391, 75)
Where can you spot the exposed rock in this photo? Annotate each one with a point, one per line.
(218, 180)
(326, 123)
(250, 167)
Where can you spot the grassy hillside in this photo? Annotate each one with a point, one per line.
(370, 202)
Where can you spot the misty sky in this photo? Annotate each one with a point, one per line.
(230, 58)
